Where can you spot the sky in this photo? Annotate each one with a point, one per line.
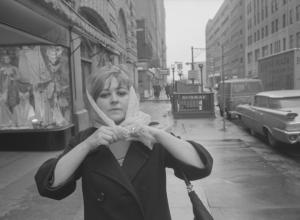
(185, 27)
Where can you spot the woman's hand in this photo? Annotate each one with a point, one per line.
(146, 134)
(102, 136)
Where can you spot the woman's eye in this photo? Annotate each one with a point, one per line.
(122, 93)
(104, 95)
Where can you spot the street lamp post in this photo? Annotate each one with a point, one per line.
(201, 67)
(173, 70)
(223, 88)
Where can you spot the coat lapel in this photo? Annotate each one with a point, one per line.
(104, 163)
(136, 157)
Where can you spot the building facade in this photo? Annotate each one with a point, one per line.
(151, 45)
(272, 26)
(48, 48)
(225, 42)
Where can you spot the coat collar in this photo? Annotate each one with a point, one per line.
(104, 163)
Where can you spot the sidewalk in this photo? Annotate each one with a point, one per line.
(242, 186)
(247, 181)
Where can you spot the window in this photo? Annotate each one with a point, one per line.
(262, 33)
(265, 51)
(274, 104)
(250, 40)
(273, 27)
(36, 81)
(277, 46)
(249, 57)
(271, 48)
(257, 54)
(276, 25)
(276, 5)
(283, 44)
(260, 101)
(298, 40)
(283, 21)
(267, 30)
(291, 41)
(272, 6)
(298, 13)
(291, 16)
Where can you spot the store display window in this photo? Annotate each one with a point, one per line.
(35, 90)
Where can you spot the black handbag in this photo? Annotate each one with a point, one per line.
(199, 210)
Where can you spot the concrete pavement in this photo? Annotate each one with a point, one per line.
(246, 183)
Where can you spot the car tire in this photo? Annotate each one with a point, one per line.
(271, 140)
(228, 115)
(252, 132)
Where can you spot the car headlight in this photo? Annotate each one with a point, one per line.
(293, 137)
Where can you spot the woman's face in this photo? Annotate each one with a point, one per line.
(113, 100)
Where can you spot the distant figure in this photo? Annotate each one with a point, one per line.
(157, 90)
(168, 90)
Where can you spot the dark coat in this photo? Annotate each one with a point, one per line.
(135, 191)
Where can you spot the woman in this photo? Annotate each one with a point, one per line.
(120, 159)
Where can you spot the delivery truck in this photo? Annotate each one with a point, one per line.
(280, 71)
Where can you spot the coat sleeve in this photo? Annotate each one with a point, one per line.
(192, 172)
(44, 177)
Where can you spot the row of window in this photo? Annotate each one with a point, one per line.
(285, 21)
(275, 47)
(259, 15)
(257, 4)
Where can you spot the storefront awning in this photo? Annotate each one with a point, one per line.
(80, 25)
(21, 25)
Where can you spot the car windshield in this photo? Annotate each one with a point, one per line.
(284, 103)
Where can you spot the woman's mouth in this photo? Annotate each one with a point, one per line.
(115, 109)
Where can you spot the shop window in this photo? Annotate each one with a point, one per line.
(34, 87)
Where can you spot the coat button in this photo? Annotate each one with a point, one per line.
(100, 197)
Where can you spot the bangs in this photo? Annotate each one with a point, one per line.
(100, 80)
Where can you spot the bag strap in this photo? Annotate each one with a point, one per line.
(188, 184)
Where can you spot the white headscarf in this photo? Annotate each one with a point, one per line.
(133, 115)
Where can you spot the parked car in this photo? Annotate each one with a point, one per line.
(235, 92)
(274, 114)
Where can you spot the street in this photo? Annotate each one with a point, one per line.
(250, 180)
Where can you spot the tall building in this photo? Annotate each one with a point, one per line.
(272, 26)
(151, 44)
(225, 42)
(49, 48)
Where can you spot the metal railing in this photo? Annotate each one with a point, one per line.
(193, 105)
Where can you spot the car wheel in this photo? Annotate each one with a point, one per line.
(252, 132)
(271, 140)
(228, 115)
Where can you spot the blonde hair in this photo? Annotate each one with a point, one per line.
(98, 79)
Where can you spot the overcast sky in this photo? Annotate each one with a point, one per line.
(185, 27)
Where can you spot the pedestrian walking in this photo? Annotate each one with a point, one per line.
(157, 90)
(167, 90)
(121, 159)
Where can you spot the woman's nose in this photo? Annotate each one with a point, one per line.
(114, 97)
